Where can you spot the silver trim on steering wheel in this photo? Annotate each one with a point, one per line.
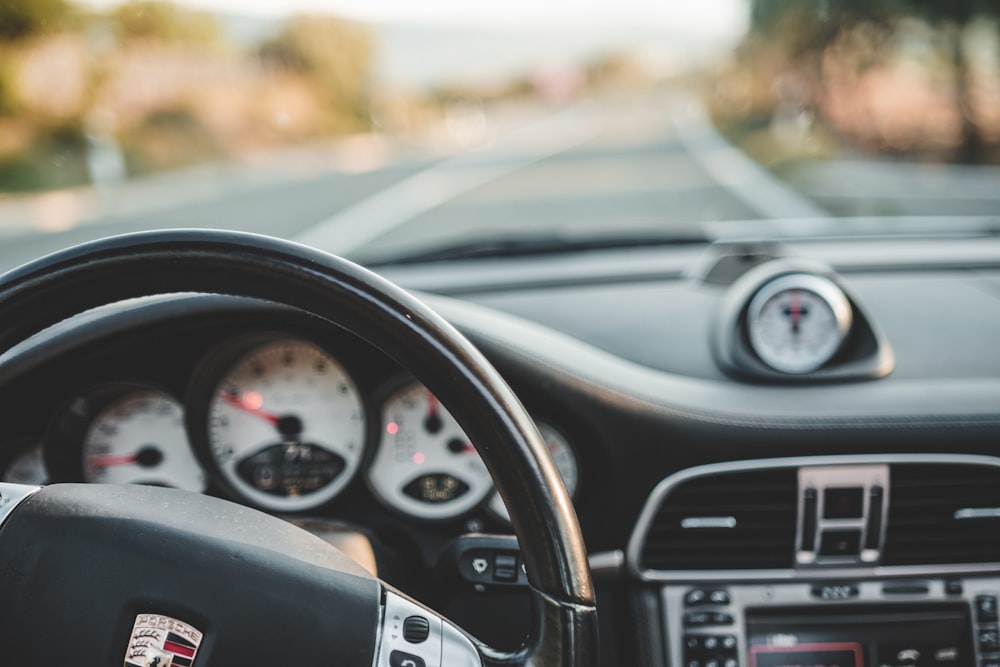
(412, 636)
(12, 495)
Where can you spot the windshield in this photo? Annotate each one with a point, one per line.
(392, 131)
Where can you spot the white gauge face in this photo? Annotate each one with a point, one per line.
(287, 426)
(798, 322)
(139, 438)
(28, 467)
(562, 456)
(424, 464)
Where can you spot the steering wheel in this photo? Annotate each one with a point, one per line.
(90, 574)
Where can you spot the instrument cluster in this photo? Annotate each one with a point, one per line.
(279, 421)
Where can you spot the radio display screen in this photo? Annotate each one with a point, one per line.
(861, 637)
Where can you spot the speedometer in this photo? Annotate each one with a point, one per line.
(286, 426)
(424, 465)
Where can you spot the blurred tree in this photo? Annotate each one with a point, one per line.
(793, 36)
(165, 21)
(805, 29)
(335, 54)
(952, 18)
(25, 18)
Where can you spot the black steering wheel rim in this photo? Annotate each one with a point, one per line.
(59, 286)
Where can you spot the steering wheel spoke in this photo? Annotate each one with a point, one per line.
(414, 636)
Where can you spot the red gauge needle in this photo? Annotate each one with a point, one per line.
(795, 310)
(432, 422)
(253, 408)
(456, 446)
(112, 460)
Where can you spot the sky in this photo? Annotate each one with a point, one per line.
(419, 39)
(713, 16)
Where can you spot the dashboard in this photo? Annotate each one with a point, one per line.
(273, 419)
(748, 432)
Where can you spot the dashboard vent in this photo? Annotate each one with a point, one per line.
(946, 513)
(734, 520)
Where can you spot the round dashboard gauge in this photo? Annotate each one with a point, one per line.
(562, 455)
(424, 465)
(797, 322)
(122, 433)
(139, 438)
(285, 426)
(25, 465)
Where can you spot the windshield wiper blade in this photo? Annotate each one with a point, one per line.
(544, 245)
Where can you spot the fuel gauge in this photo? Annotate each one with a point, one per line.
(424, 464)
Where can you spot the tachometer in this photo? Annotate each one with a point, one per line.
(424, 464)
(286, 426)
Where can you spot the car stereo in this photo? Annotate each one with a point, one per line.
(883, 623)
(893, 636)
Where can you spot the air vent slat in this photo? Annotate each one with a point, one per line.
(757, 508)
(926, 503)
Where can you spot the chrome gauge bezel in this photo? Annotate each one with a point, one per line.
(827, 292)
(206, 383)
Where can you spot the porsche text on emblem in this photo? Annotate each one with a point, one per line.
(161, 641)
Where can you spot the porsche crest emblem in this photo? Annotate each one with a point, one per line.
(161, 641)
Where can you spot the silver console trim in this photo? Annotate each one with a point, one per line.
(648, 513)
(12, 495)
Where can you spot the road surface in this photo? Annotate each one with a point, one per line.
(622, 165)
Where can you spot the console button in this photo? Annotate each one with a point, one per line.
(692, 642)
(696, 618)
(712, 663)
(953, 587)
(711, 643)
(840, 543)
(729, 642)
(402, 659)
(719, 597)
(416, 629)
(844, 503)
(835, 591)
(505, 567)
(986, 608)
(731, 662)
(695, 597)
(720, 618)
(989, 639)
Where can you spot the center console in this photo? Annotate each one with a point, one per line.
(863, 561)
(913, 623)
